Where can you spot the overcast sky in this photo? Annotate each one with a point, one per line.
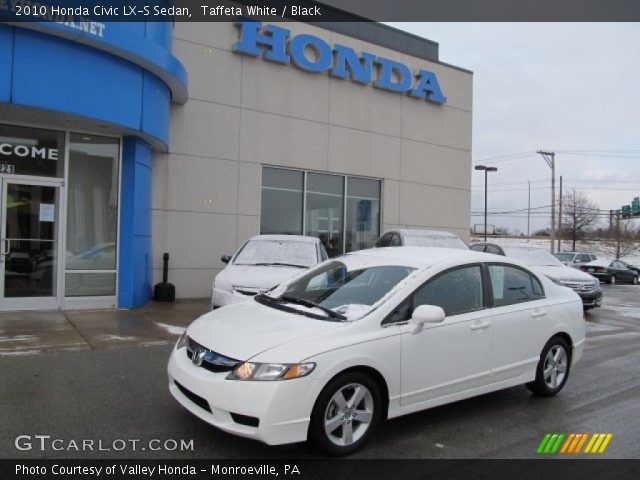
(554, 86)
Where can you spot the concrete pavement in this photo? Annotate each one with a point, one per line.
(30, 333)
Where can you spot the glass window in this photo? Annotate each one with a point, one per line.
(350, 288)
(363, 213)
(324, 199)
(324, 210)
(275, 252)
(31, 151)
(281, 201)
(92, 215)
(513, 285)
(456, 291)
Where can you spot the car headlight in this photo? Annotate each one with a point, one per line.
(270, 371)
(183, 340)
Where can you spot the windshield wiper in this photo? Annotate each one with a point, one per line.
(310, 304)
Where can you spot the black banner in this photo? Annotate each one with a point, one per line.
(325, 11)
(333, 469)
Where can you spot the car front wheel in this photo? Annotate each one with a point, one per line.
(635, 280)
(553, 368)
(345, 414)
(612, 280)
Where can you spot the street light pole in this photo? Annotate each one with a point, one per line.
(486, 171)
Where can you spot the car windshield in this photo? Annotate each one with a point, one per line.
(340, 290)
(434, 241)
(277, 252)
(533, 257)
(564, 257)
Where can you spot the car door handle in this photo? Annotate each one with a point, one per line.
(479, 326)
(538, 313)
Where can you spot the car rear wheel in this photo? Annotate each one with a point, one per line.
(635, 280)
(553, 368)
(345, 414)
(612, 280)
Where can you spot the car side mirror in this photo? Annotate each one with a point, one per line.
(425, 314)
(225, 258)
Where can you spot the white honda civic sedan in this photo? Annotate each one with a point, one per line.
(373, 335)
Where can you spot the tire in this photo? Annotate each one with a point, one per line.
(332, 437)
(550, 376)
(612, 280)
(635, 280)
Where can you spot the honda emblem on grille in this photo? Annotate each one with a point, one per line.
(198, 357)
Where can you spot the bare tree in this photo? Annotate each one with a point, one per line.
(578, 215)
(626, 242)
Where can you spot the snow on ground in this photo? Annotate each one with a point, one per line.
(604, 249)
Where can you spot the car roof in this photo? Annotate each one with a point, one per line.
(286, 238)
(419, 232)
(422, 257)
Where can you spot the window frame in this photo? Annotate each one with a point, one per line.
(386, 321)
(517, 267)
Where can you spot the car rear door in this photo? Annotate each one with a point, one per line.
(519, 308)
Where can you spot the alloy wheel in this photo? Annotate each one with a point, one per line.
(349, 414)
(555, 366)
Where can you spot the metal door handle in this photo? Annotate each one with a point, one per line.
(6, 246)
(538, 313)
(479, 326)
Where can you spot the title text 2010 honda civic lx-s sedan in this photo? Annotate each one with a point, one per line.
(372, 335)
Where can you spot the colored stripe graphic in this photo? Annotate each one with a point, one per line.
(573, 443)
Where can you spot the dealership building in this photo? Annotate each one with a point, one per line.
(122, 141)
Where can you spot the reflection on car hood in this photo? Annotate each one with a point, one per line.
(564, 273)
(243, 330)
(253, 276)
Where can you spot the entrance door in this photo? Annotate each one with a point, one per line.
(29, 245)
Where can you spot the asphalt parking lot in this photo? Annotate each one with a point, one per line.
(121, 393)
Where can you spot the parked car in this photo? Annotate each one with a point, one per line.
(404, 237)
(611, 271)
(371, 335)
(582, 283)
(263, 262)
(630, 267)
(575, 259)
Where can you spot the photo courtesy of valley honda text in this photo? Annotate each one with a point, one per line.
(123, 142)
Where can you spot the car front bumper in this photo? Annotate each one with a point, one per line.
(592, 298)
(282, 408)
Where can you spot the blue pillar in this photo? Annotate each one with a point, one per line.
(134, 281)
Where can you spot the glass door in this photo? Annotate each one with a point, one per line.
(29, 245)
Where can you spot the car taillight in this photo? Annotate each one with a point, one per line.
(602, 270)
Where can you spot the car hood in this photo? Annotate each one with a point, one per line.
(564, 273)
(254, 276)
(243, 330)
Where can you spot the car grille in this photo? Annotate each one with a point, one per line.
(208, 359)
(580, 287)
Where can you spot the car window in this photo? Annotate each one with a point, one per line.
(456, 291)
(584, 258)
(496, 250)
(618, 265)
(512, 285)
(395, 240)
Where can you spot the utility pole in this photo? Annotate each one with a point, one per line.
(529, 210)
(550, 158)
(610, 224)
(618, 234)
(560, 217)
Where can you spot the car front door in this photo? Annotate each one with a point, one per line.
(519, 308)
(455, 355)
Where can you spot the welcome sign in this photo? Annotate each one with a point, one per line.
(276, 44)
